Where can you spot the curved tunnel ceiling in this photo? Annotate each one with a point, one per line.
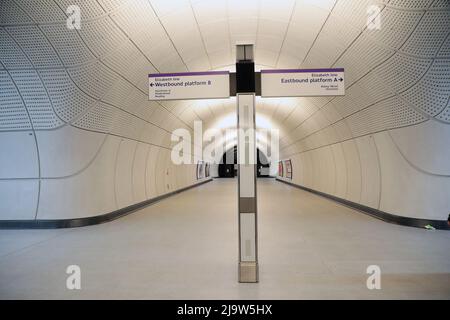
(84, 88)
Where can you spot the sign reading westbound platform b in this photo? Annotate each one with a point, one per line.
(302, 83)
(189, 85)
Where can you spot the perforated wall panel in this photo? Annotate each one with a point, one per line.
(34, 44)
(13, 114)
(68, 101)
(36, 99)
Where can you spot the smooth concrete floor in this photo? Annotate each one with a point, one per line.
(185, 247)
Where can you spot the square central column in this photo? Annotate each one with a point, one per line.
(247, 164)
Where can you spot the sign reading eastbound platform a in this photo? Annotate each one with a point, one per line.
(302, 83)
(189, 85)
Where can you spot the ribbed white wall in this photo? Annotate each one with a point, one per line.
(78, 136)
(385, 144)
(83, 174)
(402, 171)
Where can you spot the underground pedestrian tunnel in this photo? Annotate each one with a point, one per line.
(87, 176)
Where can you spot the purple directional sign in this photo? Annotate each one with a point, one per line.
(303, 82)
(189, 85)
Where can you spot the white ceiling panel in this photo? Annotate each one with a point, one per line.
(280, 10)
(221, 58)
(243, 9)
(243, 26)
(42, 11)
(216, 35)
(163, 7)
(208, 11)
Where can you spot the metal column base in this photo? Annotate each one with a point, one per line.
(248, 272)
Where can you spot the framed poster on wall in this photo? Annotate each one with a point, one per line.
(200, 170)
(280, 169)
(288, 165)
(207, 173)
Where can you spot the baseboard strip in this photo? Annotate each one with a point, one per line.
(382, 215)
(83, 222)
